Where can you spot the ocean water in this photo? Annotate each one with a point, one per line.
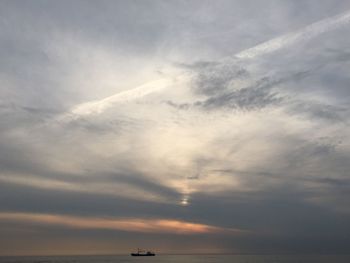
(182, 259)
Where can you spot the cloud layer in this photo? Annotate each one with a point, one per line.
(220, 125)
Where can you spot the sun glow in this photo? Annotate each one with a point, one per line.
(185, 200)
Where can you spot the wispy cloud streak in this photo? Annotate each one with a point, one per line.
(98, 106)
(303, 34)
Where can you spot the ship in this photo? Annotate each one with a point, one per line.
(142, 253)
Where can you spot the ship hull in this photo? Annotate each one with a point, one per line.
(142, 255)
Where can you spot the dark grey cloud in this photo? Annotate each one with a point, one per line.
(247, 98)
(216, 78)
(219, 87)
(318, 110)
(16, 198)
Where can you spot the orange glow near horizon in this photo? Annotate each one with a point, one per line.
(169, 226)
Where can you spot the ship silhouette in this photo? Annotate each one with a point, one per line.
(142, 253)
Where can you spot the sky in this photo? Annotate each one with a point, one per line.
(177, 126)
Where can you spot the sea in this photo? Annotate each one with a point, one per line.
(183, 259)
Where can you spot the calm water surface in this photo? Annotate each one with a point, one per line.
(181, 258)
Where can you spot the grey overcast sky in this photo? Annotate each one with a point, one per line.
(179, 126)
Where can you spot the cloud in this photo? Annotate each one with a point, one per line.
(333, 113)
(207, 143)
(249, 98)
(303, 34)
(213, 78)
(141, 190)
(126, 224)
(97, 107)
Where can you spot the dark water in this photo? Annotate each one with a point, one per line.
(181, 258)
